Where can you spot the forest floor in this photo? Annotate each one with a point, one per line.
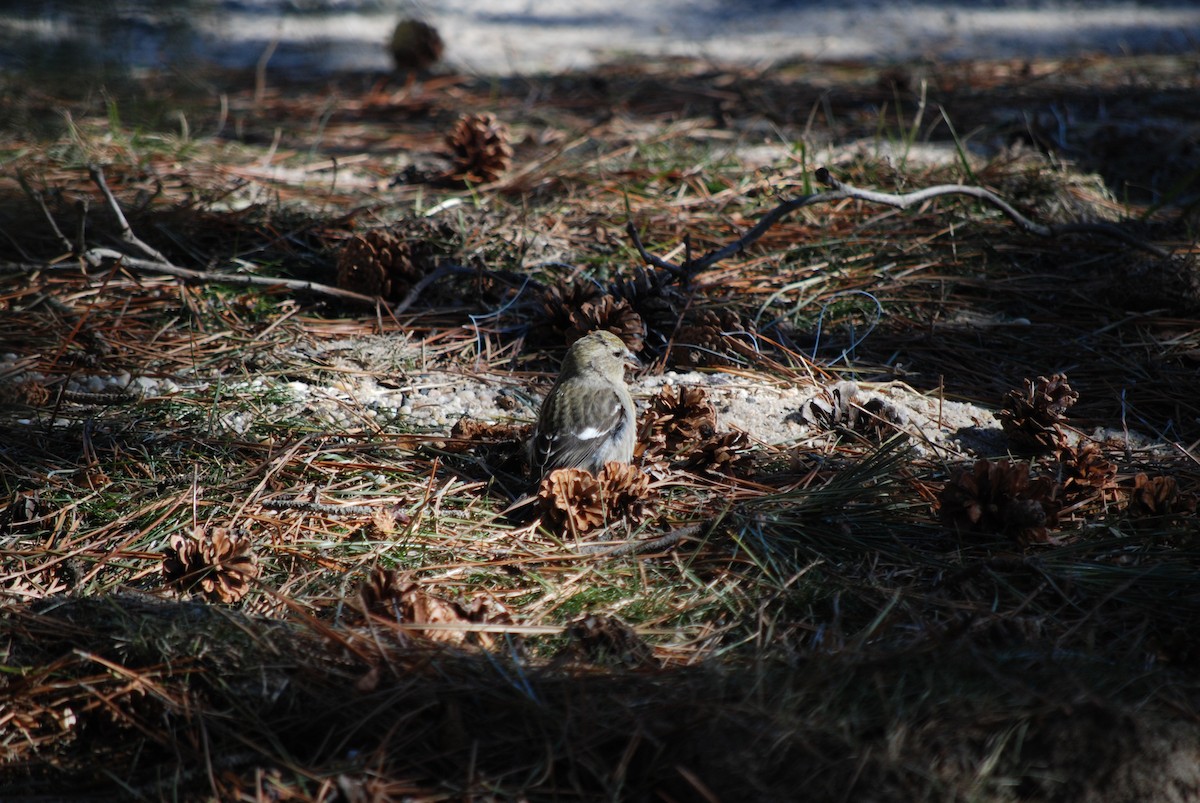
(269, 352)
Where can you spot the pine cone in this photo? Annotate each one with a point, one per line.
(22, 511)
(479, 146)
(28, 392)
(569, 500)
(377, 263)
(704, 339)
(654, 296)
(844, 405)
(609, 313)
(721, 454)
(604, 639)
(415, 45)
(395, 595)
(574, 501)
(1032, 417)
(830, 407)
(386, 521)
(383, 591)
(878, 418)
(1159, 496)
(30, 582)
(1085, 470)
(500, 448)
(218, 564)
(626, 492)
(560, 303)
(468, 433)
(999, 497)
(677, 418)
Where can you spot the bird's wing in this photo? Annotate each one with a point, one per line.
(602, 415)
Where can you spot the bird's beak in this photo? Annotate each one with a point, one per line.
(632, 360)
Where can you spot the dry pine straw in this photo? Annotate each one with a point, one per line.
(798, 569)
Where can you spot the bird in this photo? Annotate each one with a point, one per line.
(588, 418)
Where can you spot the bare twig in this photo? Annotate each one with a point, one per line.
(1040, 229)
(81, 210)
(650, 259)
(421, 286)
(639, 547)
(38, 199)
(97, 174)
(96, 257)
(84, 397)
(320, 507)
(840, 191)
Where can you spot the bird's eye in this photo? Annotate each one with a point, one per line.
(618, 353)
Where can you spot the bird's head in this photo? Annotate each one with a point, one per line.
(600, 351)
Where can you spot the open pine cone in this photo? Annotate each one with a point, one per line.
(382, 592)
(998, 496)
(31, 392)
(655, 297)
(1159, 496)
(609, 313)
(626, 492)
(677, 418)
(395, 595)
(704, 339)
(569, 499)
(377, 263)
(480, 149)
(469, 433)
(604, 639)
(218, 564)
(844, 405)
(1031, 417)
(574, 501)
(1085, 470)
(500, 448)
(559, 304)
(721, 454)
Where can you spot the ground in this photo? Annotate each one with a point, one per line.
(913, 514)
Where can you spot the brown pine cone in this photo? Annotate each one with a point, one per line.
(609, 313)
(415, 45)
(217, 564)
(479, 146)
(1032, 417)
(998, 496)
(677, 418)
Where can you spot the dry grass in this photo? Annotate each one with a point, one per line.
(403, 639)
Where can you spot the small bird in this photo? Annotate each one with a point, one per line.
(588, 417)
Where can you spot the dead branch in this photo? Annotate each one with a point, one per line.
(320, 507)
(840, 191)
(1040, 229)
(97, 174)
(39, 199)
(157, 262)
(98, 257)
(424, 283)
(641, 547)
